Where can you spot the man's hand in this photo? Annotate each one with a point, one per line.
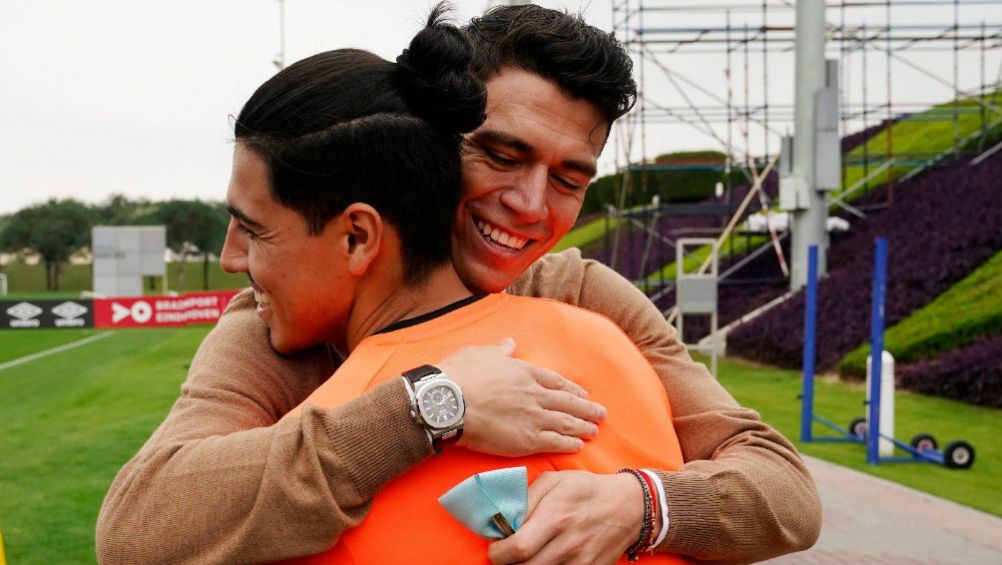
(575, 517)
(514, 408)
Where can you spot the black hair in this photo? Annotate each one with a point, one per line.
(347, 126)
(585, 62)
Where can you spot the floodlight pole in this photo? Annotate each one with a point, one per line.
(279, 60)
(810, 213)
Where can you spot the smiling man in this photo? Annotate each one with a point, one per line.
(541, 140)
(249, 487)
(293, 264)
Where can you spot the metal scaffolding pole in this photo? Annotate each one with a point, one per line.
(890, 116)
(956, 78)
(764, 30)
(866, 112)
(808, 223)
(765, 79)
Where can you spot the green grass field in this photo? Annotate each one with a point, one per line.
(70, 420)
(966, 311)
(773, 393)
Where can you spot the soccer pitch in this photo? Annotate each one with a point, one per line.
(69, 421)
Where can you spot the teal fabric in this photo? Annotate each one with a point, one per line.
(483, 495)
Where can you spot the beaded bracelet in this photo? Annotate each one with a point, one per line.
(655, 510)
(633, 552)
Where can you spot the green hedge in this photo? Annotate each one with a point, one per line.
(970, 309)
(30, 279)
(670, 186)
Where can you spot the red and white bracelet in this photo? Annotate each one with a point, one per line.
(648, 531)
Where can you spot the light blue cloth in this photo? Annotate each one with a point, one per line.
(483, 495)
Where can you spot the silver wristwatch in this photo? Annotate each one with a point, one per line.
(437, 404)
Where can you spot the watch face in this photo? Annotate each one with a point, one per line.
(440, 405)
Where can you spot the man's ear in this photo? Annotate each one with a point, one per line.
(364, 230)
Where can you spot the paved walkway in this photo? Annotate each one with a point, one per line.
(868, 520)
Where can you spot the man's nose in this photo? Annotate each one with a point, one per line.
(233, 258)
(527, 196)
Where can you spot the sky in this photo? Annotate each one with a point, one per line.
(135, 98)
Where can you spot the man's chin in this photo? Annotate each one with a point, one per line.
(286, 348)
(483, 278)
(280, 347)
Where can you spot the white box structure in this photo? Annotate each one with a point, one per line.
(123, 255)
(696, 293)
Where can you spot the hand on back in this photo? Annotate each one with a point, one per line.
(515, 408)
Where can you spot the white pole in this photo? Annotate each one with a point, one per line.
(808, 222)
(885, 446)
(3, 284)
(280, 59)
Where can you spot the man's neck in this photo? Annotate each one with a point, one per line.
(377, 308)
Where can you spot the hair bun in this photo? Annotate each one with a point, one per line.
(436, 79)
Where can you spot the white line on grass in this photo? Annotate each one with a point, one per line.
(59, 349)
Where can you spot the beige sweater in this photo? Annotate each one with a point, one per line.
(222, 480)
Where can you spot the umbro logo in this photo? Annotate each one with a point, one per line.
(35, 314)
(69, 310)
(25, 315)
(24, 311)
(69, 314)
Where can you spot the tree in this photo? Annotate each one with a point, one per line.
(4, 220)
(193, 227)
(55, 230)
(120, 210)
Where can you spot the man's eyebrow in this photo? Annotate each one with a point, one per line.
(581, 167)
(501, 138)
(238, 214)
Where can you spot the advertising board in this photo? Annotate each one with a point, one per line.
(128, 312)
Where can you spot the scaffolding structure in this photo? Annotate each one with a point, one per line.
(862, 35)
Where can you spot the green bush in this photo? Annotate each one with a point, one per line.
(968, 310)
(670, 186)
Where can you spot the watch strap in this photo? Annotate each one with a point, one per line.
(438, 438)
(416, 374)
(447, 438)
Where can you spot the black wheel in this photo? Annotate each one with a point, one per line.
(857, 427)
(958, 455)
(924, 442)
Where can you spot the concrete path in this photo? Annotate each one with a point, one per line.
(868, 520)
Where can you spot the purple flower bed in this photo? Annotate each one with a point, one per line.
(944, 224)
(632, 239)
(735, 300)
(972, 374)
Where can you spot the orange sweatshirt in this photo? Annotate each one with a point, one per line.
(405, 522)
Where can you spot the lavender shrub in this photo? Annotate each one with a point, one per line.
(943, 224)
(972, 374)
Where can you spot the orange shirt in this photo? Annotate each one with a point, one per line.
(406, 524)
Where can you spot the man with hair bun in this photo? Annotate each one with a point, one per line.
(225, 479)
